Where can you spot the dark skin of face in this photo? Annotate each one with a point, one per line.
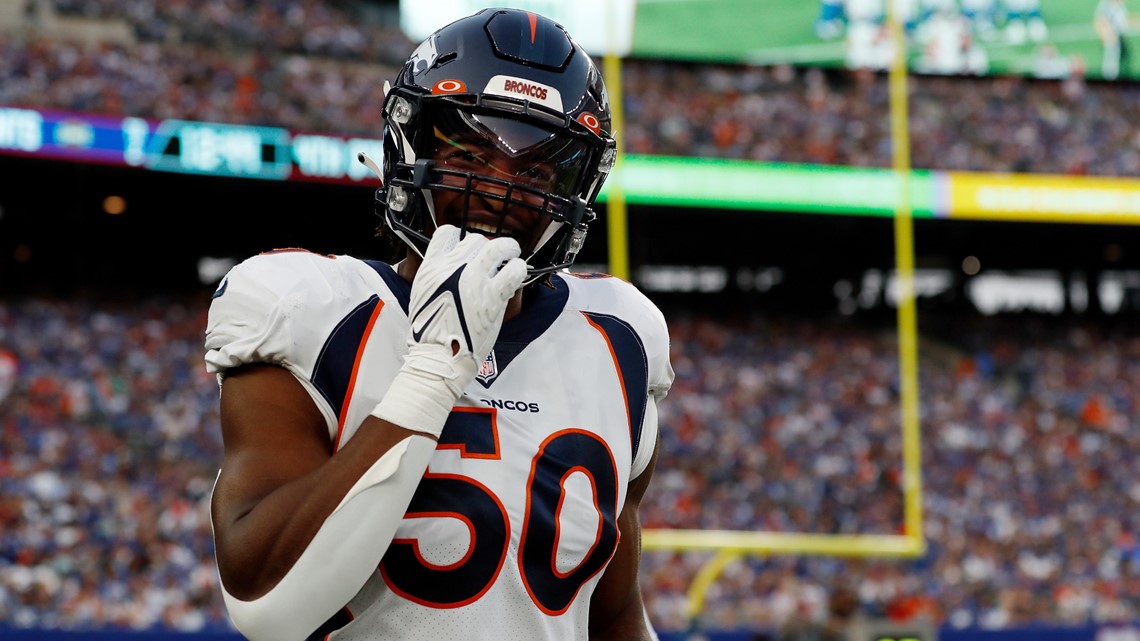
(524, 224)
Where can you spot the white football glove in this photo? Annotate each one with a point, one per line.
(458, 299)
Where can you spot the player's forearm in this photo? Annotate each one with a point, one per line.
(257, 544)
(339, 556)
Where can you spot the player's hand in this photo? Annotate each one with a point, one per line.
(458, 299)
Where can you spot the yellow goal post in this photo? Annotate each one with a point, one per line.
(730, 545)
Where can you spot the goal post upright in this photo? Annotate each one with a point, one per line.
(730, 545)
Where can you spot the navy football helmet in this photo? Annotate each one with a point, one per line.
(501, 84)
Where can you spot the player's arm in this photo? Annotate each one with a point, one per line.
(617, 611)
(298, 529)
(1102, 27)
(278, 483)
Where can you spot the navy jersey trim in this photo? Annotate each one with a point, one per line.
(401, 288)
(541, 307)
(337, 621)
(633, 362)
(332, 373)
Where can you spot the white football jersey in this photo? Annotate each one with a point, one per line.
(515, 519)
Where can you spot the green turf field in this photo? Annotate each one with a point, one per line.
(772, 31)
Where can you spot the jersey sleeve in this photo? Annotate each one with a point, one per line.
(281, 308)
(248, 320)
(322, 318)
(655, 334)
(614, 296)
(267, 309)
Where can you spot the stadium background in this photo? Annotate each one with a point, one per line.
(793, 302)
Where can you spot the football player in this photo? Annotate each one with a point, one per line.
(1024, 20)
(982, 16)
(453, 446)
(1112, 23)
(831, 19)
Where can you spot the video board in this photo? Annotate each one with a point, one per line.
(1041, 38)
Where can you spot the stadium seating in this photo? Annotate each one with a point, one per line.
(108, 421)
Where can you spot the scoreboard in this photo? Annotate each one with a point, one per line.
(278, 154)
(237, 151)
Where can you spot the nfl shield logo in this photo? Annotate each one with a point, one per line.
(488, 370)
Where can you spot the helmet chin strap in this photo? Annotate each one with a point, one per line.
(366, 160)
(549, 233)
(429, 202)
(551, 229)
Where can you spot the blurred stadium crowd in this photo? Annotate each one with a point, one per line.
(1028, 467)
(109, 423)
(111, 446)
(311, 67)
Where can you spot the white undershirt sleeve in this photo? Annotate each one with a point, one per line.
(343, 554)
